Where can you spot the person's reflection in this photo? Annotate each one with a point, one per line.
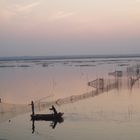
(53, 124)
(33, 126)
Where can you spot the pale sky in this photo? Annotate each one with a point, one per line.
(61, 27)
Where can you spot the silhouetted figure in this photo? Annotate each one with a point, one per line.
(53, 109)
(0, 100)
(33, 108)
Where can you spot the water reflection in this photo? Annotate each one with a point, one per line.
(53, 123)
(9, 111)
(121, 79)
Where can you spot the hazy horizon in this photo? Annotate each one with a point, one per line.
(69, 56)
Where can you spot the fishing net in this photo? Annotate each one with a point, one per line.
(8, 111)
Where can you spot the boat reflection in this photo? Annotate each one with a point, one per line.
(52, 124)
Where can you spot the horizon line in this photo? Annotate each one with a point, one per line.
(78, 56)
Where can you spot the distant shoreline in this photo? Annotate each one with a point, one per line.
(20, 58)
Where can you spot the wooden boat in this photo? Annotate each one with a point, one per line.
(55, 117)
(48, 117)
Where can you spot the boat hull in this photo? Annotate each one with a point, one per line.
(47, 117)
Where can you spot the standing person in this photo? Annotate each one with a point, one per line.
(33, 109)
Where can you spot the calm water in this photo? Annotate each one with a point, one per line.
(111, 113)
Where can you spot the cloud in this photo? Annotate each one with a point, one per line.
(10, 11)
(60, 15)
(22, 8)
